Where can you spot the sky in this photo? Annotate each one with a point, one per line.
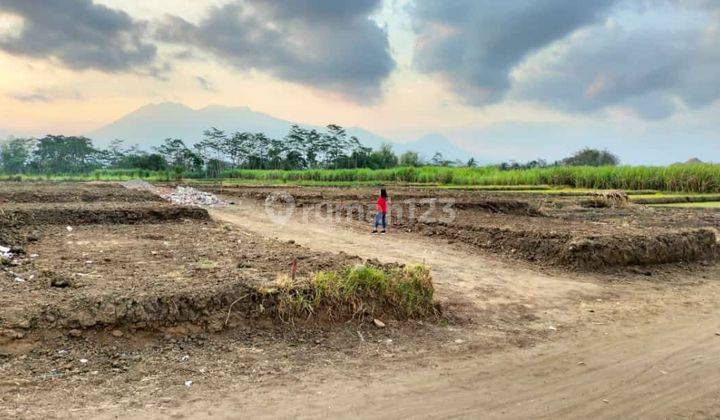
(517, 79)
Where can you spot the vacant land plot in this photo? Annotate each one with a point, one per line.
(131, 306)
(589, 232)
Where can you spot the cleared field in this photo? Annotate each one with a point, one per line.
(129, 262)
(554, 230)
(136, 308)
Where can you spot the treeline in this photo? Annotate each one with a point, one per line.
(215, 152)
(219, 152)
(584, 157)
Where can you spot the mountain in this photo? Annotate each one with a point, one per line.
(149, 125)
(428, 145)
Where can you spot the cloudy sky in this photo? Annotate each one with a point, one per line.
(505, 79)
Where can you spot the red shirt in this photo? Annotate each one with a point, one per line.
(382, 205)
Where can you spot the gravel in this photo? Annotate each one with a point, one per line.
(187, 196)
(193, 197)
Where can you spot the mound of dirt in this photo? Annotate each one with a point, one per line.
(592, 252)
(71, 193)
(615, 250)
(16, 215)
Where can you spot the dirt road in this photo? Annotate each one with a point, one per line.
(457, 273)
(668, 368)
(671, 371)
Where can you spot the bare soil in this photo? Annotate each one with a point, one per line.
(517, 338)
(544, 229)
(61, 192)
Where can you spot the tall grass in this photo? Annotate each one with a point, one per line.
(699, 178)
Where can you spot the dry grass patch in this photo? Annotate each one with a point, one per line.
(360, 291)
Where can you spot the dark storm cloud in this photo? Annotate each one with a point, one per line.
(78, 33)
(475, 44)
(651, 56)
(332, 46)
(654, 63)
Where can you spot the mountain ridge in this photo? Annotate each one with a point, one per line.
(149, 124)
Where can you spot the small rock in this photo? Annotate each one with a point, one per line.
(58, 281)
(21, 323)
(75, 333)
(117, 333)
(379, 323)
(17, 250)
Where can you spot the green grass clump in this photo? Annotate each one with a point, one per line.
(363, 290)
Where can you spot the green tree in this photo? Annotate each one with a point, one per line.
(15, 154)
(383, 157)
(57, 154)
(179, 157)
(142, 160)
(410, 158)
(591, 157)
(213, 144)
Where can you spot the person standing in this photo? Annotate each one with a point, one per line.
(381, 215)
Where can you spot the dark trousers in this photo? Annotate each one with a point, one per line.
(381, 219)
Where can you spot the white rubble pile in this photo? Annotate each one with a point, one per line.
(193, 197)
(188, 196)
(5, 252)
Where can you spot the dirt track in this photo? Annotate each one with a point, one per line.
(667, 371)
(652, 367)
